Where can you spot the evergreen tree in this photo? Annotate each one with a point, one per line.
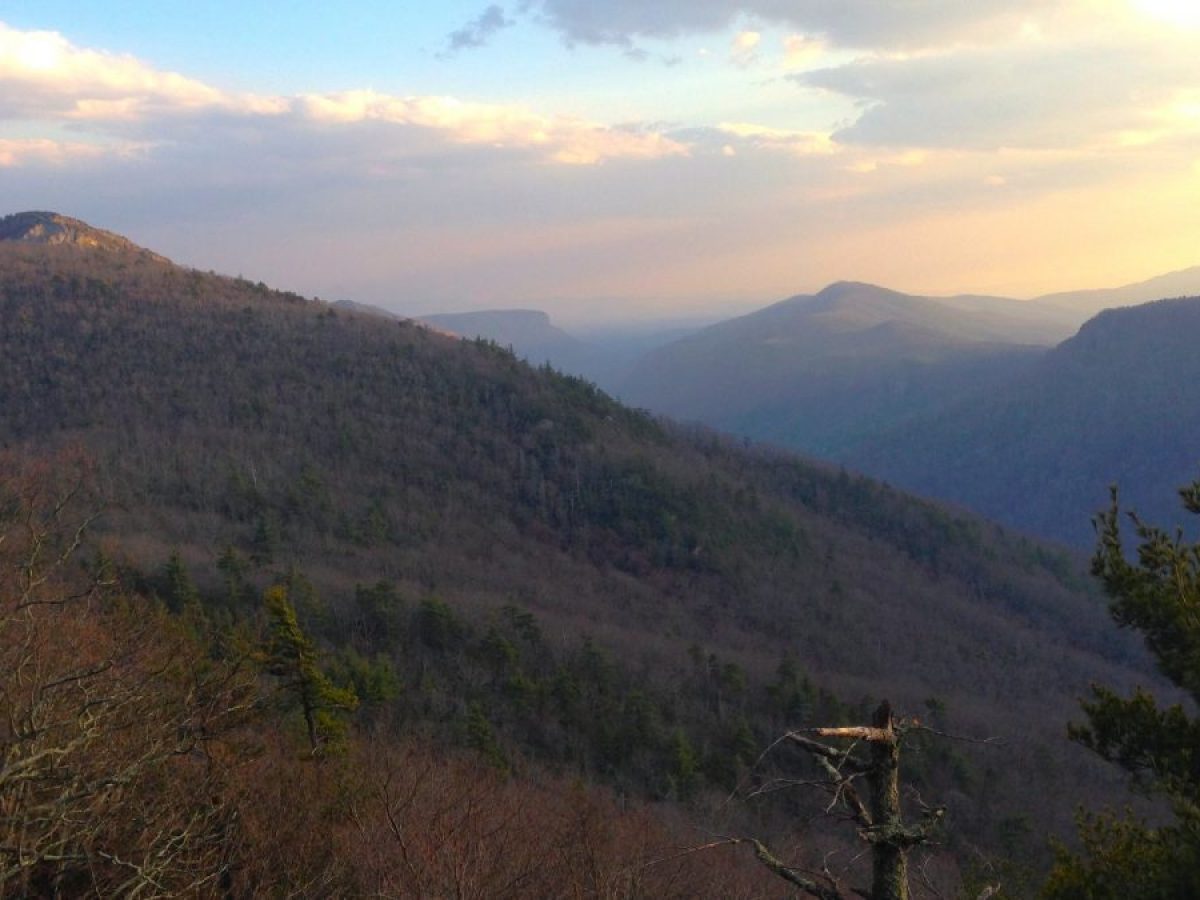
(1159, 746)
(481, 737)
(180, 591)
(291, 656)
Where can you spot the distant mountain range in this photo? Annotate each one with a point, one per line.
(528, 332)
(800, 372)
(1043, 321)
(605, 357)
(819, 372)
(1184, 283)
(961, 398)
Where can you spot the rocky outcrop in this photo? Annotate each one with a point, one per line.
(52, 228)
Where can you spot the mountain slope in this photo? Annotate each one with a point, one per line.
(222, 405)
(1119, 403)
(210, 397)
(820, 372)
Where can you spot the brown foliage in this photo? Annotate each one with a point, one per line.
(409, 820)
(135, 765)
(111, 725)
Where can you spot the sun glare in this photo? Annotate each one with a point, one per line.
(1179, 13)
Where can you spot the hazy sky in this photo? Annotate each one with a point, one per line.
(616, 157)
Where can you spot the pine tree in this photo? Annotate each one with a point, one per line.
(1159, 746)
(291, 655)
(180, 591)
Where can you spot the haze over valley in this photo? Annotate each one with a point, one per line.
(1006, 407)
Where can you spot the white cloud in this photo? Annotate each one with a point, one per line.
(46, 76)
(1063, 93)
(563, 139)
(43, 77)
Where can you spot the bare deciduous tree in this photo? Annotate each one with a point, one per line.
(111, 721)
(878, 815)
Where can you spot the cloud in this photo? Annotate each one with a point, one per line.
(743, 51)
(1033, 94)
(853, 23)
(479, 31)
(799, 51)
(385, 197)
(28, 152)
(800, 143)
(561, 139)
(45, 78)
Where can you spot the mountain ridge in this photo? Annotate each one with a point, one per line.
(812, 372)
(1179, 283)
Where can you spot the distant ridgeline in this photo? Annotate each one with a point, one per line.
(962, 398)
(510, 558)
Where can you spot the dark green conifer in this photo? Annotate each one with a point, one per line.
(1158, 745)
(291, 656)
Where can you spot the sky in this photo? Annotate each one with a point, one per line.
(616, 159)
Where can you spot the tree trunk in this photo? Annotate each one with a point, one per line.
(889, 852)
(878, 815)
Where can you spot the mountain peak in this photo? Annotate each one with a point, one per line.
(50, 228)
(856, 291)
(837, 288)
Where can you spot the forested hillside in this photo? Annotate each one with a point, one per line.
(506, 559)
(1118, 403)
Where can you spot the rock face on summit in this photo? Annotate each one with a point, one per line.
(51, 228)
